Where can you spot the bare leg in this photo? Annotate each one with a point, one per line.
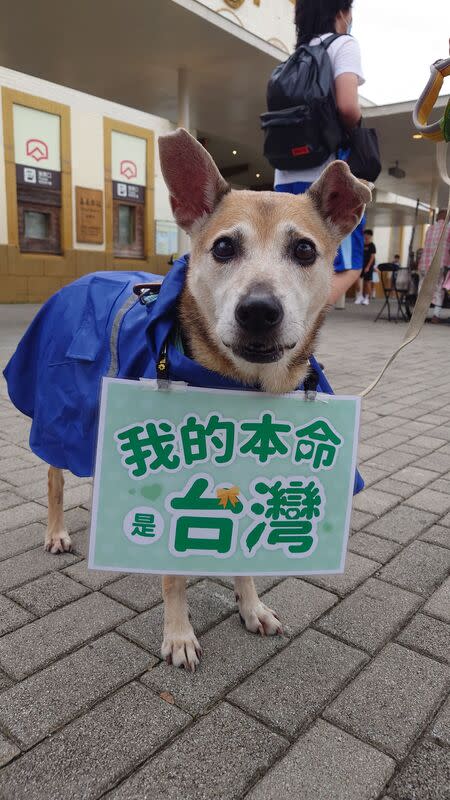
(256, 616)
(180, 646)
(57, 540)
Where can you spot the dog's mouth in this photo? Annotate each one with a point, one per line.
(259, 352)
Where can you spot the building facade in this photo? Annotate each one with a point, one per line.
(271, 20)
(81, 188)
(80, 181)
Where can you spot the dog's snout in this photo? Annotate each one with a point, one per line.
(257, 312)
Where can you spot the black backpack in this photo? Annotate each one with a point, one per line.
(302, 127)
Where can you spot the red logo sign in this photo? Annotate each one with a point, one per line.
(301, 151)
(128, 169)
(36, 149)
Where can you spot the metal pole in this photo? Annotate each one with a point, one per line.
(184, 108)
(411, 241)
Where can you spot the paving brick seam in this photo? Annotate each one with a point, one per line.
(30, 580)
(418, 650)
(160, 603)
(14, 741)
(398, 586)
(136, 614)
(425, 737)
(229, 688)
(224, 695)
(89, 709)
(21, 552)
(270, 725)
(392, 637)
(76, 649)
(41, 616)
(307, 728)
(430, 541)
(260, 773)
(330, 700)
(77, 715)
(401, 408)
(414, 460)
(357, 735)
(137, 768)
(313, 625)
(416, 486)
(375, 745)
(172, 740)
(430, 613)
(72, 650)
(360, 737)
(415, 538)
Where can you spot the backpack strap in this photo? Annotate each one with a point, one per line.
(332, 39)
(325, 44)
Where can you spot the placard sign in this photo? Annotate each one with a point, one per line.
(89, 206)
(42, 178)
(128, 191)
(204, 482)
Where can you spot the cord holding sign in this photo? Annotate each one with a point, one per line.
(438, 132)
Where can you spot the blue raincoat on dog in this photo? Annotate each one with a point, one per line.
(98, 327)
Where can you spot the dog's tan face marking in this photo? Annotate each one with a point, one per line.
(266, 231)
(261, 264)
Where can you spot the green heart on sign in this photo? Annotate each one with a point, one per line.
(152, 492)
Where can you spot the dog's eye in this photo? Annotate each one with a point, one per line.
(305, 252)
(224, 249)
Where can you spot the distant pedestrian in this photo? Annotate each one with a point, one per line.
(315, 23)
(365, 281)
(402, 277)
(431, 243)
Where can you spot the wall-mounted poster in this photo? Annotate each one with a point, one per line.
(166, 238)
(89, 213)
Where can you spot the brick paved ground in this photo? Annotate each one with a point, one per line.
(348, 705)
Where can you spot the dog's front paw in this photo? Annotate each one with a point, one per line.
(258, 618)
(180, 647)
(59, 542)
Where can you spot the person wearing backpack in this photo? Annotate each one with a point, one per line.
(313, 102)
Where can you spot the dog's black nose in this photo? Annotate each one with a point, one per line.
(258, 312)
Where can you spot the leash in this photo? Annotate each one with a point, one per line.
(438, 132)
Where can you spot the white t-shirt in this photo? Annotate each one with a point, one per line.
(345, 56)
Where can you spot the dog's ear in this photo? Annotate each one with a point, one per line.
(192, 178)
(340, 197)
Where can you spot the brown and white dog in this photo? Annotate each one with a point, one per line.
(255, 296)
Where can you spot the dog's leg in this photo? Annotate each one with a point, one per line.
(57, 540)
(180, 646)
(256, 616)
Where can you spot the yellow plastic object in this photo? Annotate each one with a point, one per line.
(436, 131)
